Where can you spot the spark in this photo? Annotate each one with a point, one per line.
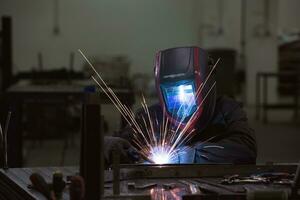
(160, 155)
(158, 143)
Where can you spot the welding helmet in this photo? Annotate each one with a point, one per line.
(185, 92)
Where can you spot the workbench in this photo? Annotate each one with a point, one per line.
(63, 93)
(14, 182)
(149, 181)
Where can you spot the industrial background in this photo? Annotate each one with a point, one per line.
(41, 70)
(249, 33)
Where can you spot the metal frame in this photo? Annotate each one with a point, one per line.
(265, 105)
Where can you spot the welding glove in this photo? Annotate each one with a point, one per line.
(121, 146)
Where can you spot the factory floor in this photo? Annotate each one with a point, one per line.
(278, 141)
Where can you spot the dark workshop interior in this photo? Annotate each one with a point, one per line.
(78, 78)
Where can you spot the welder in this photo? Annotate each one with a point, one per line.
(186, 87)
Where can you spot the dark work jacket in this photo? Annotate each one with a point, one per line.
(226, 139)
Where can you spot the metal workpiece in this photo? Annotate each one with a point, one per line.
(140, 171)
(136, 187)
(192, 181)
(133, 186)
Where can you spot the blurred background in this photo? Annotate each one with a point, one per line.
(42, 73)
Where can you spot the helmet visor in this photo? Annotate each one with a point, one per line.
(180, 99)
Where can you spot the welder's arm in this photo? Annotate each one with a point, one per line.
(120, 146)
(236, 145)
(233, 150)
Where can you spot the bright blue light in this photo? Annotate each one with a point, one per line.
(185, 93)
(180, 98)
(162, 155)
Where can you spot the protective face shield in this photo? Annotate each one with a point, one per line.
(180, 73)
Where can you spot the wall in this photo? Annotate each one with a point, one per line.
(288, 15)
(261, 47)
(211, 24)
(107, 27)
(262, 52)
(140, 28)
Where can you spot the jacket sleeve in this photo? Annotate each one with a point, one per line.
(237, 145)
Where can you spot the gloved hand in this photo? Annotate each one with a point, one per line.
(120, 145)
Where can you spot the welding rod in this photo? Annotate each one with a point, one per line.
(5, 139)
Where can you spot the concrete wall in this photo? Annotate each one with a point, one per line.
(289, 15)
(261, 46)
(260, 51)
(216, 32)
(134, 27)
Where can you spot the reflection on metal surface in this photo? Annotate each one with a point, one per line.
(165, 194)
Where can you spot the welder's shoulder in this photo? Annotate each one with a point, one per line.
(231, 109)
(238, 130)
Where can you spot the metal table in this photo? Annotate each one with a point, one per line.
(149, 181)
(21, 92)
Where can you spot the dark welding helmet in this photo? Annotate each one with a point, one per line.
(179, 74)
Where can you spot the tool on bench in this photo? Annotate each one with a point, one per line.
(77, 188)
(58, 184)
(262, 178)
(52, 190)
(39, 183)
(222, 187)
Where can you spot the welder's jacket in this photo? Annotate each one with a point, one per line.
(226, 139)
